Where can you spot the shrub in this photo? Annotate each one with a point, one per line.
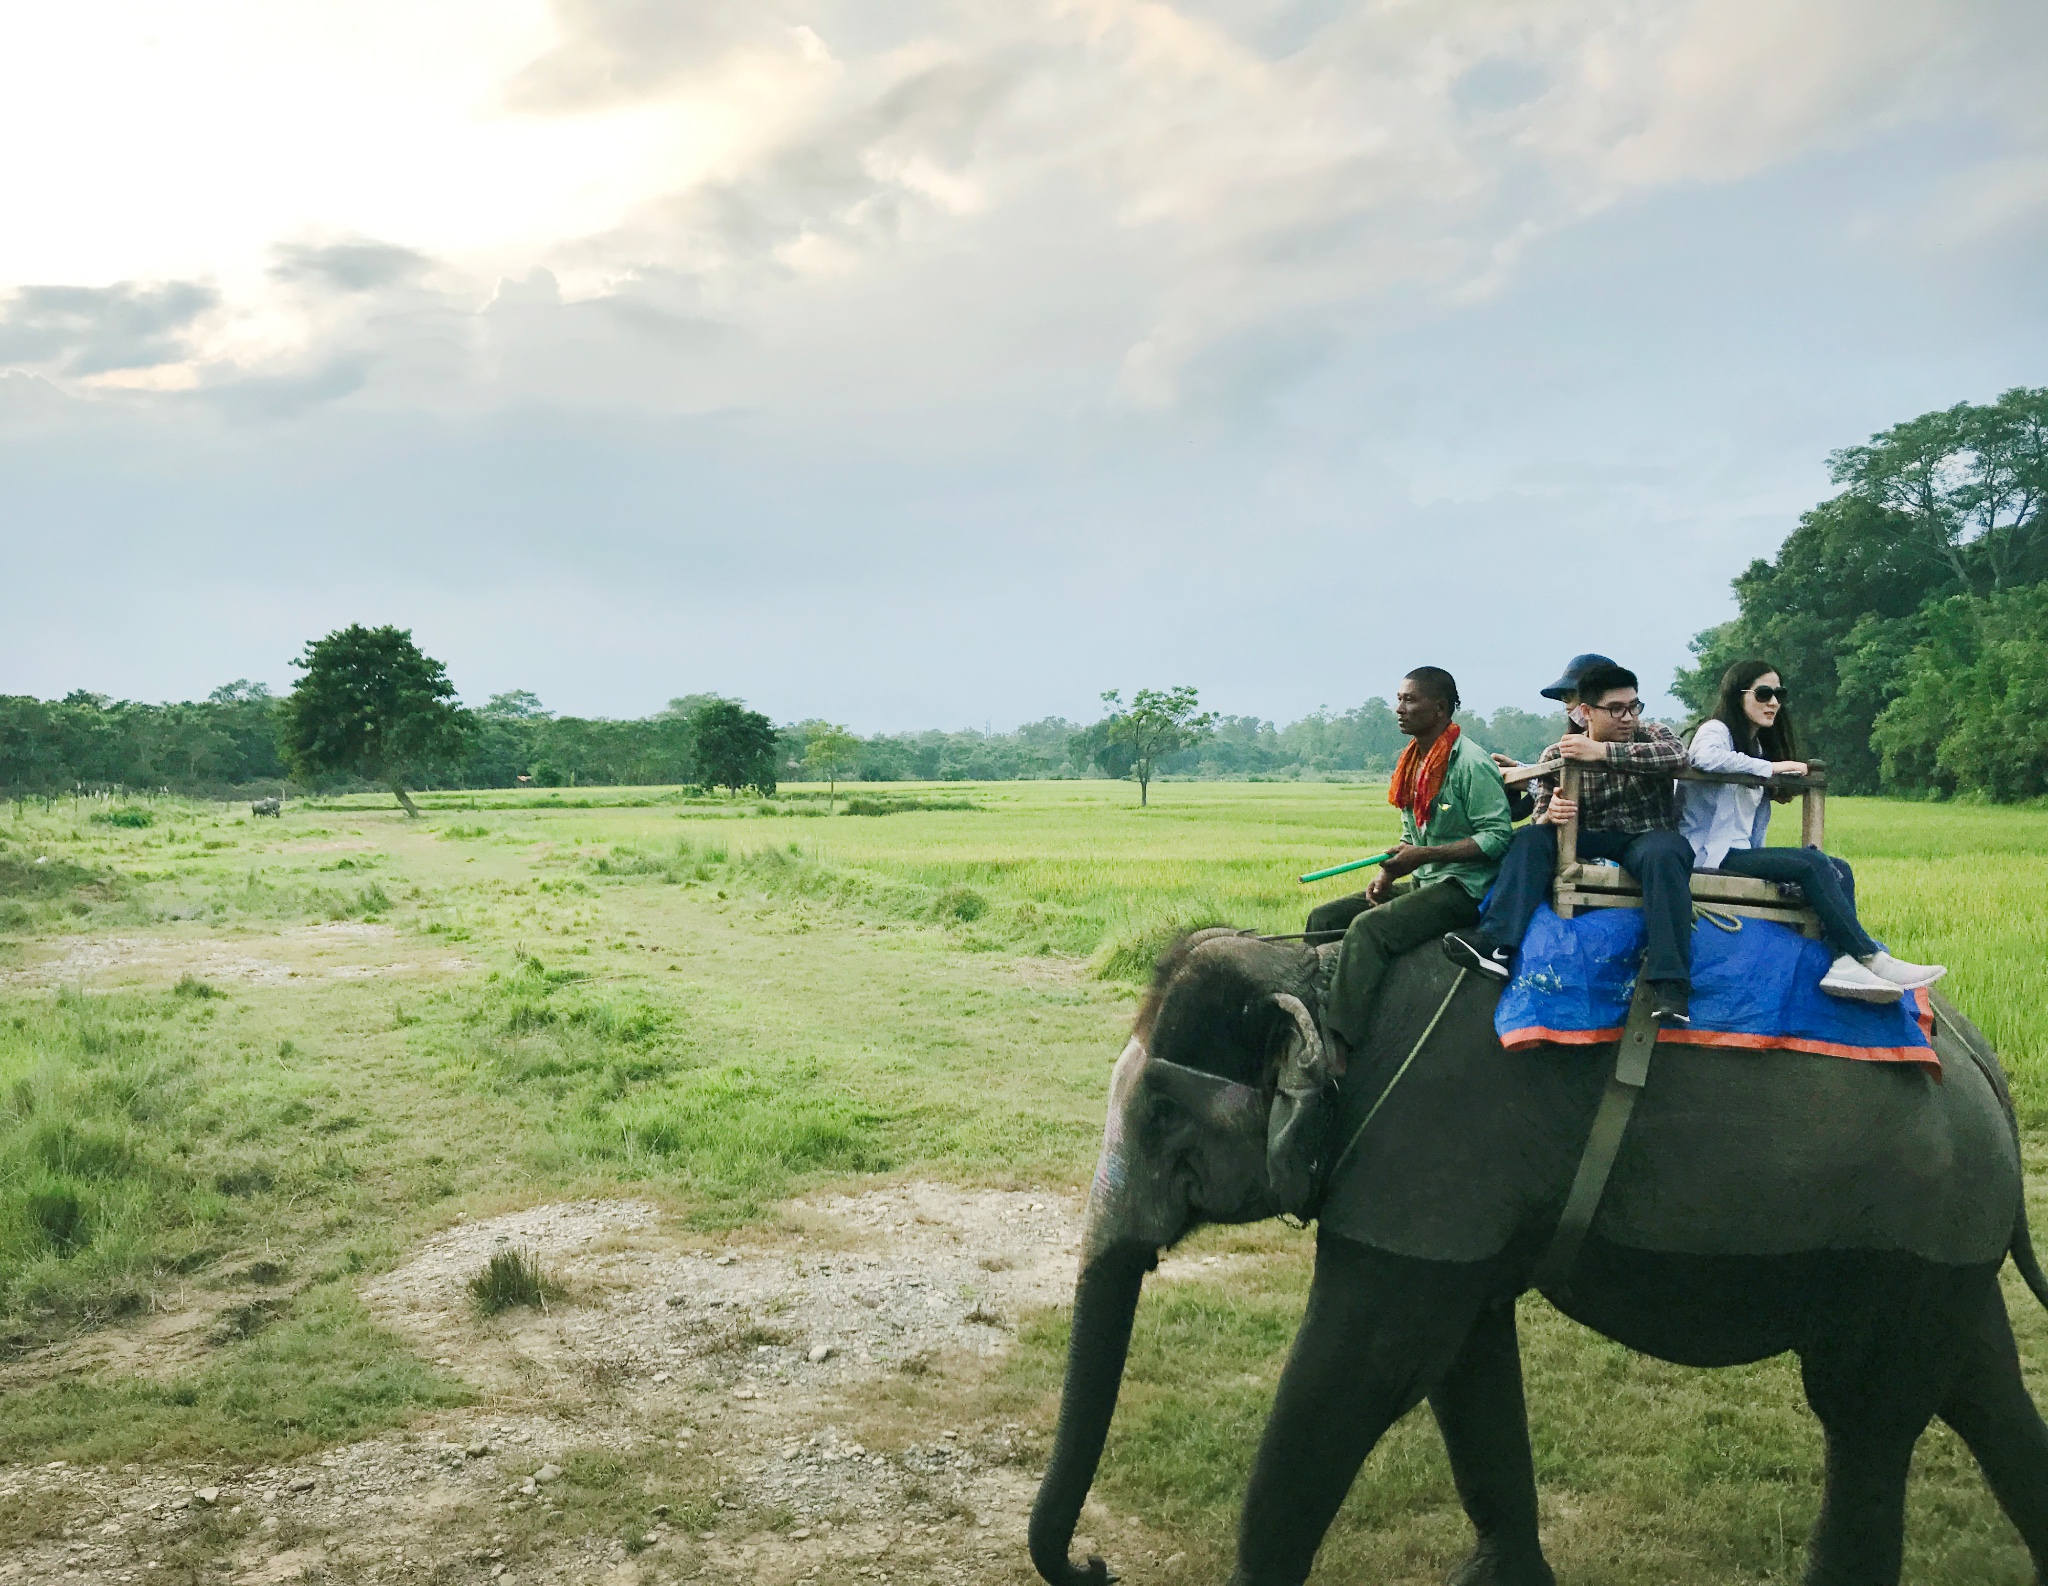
(190, 985)
(959, 903)
(129, 815)
(513, 1278)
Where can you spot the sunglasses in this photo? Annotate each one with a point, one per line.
(1766, 694)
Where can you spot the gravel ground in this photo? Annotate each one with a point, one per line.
(738, 1356)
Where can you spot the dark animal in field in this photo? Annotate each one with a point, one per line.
(267, 807)
(1855, 1213)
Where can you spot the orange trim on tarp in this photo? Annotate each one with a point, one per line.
(1793, 1043)
(1537, 1035)
(1925, 1003)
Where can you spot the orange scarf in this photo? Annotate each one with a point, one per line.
(1418, 778)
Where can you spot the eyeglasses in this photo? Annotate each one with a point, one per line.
(1766, 694)
(1627, 712)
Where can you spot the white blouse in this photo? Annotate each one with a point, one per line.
(1717, 816)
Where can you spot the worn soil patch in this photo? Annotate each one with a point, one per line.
(746, 1368)
(332, 950)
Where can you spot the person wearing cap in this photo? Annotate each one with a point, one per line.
(1454, 828)
(1521, 802)
(1630, 817)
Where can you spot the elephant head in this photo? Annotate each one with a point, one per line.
(1184, 1143)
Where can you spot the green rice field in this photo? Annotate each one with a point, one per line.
(231, 1045)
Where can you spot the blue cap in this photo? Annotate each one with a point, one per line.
(1574, 669)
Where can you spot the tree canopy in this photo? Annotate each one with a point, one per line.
(733, 747)
(1157, 723)
(832, 752)
(371, 705)
(1888, 596)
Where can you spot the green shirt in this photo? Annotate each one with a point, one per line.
(1473, 802)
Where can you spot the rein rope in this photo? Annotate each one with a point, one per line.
(1400, 1073)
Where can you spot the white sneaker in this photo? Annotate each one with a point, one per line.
(1910, 976)
(1847, 978)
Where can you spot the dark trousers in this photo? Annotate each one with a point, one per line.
(1661, 862)
(1378, 936)
(1829, 885)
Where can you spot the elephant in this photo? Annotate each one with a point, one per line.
(1857, 1213)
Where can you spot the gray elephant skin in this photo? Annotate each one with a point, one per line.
(1856, 1213)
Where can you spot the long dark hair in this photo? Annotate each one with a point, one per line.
(1775, 742)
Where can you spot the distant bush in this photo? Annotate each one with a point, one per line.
(192, 986)
(127, 816)
(373, 899)
(41, 877)
(866, 804)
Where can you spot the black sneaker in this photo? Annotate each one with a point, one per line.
(1670, 1004)
(1470, 950)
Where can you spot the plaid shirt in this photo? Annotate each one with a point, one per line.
(1620, 801)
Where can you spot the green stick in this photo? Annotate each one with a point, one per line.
(1338, 870)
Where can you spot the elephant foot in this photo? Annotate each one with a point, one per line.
(1487, 1565)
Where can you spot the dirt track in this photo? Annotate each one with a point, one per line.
(751, 1361)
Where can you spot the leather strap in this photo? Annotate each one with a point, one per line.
(1603, 1144)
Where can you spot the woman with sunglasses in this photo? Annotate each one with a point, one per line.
(1750, 731)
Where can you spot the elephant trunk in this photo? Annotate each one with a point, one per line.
(1105, 1301)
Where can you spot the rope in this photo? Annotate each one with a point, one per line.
(1730, 923)
(1415, 1052)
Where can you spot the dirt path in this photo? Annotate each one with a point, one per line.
(332, 950)
(820, 1380)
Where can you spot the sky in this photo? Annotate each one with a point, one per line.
(948, 362)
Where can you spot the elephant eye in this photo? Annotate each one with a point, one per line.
(1162, 1113)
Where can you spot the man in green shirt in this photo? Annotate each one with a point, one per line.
(1455, 826)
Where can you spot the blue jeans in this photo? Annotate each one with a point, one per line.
(1829, 885)
(1661, 862)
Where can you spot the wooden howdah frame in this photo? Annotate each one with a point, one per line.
(1604, 886)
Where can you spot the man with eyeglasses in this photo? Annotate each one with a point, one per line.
(1631, 818)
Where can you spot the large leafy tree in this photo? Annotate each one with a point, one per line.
(1969, 481)
(1157, 723)
(1835, 613)
(1944, 507)
(734, 747)
(372, 705)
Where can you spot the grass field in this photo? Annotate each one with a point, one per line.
(263, 1060)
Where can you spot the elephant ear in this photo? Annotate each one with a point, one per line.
(1298, 1127)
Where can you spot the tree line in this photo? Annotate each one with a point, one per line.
(1909, 611)
(239, 740)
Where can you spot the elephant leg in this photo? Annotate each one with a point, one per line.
(1859, 1539)
(1379, 1333)
(1873, 1397)
(1484, 1420)
(1991, 1411)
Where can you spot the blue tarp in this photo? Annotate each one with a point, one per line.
(1756, 987)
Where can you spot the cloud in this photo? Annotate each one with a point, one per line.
(362, 266)
(614, 52)
(1115, 200)
(82, 331)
